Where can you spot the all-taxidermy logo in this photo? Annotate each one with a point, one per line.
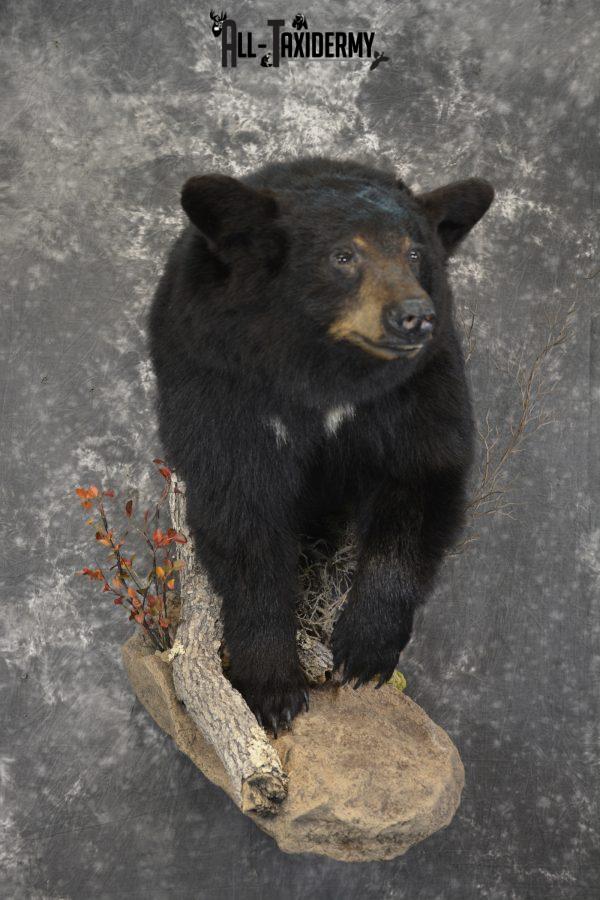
(301, 43)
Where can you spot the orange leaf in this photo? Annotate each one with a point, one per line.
(132, 593)
(158, 537)
(165, 471)
(87, 493)
(160, 571)
(136, 602)
(171, 584)
(139, 618)
(164, 623)
(93, 573)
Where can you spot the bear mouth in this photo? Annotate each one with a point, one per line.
(386, 349)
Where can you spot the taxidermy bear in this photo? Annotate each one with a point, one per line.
(310, 378)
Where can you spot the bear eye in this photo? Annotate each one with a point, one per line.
(414, 255)
(343, 257)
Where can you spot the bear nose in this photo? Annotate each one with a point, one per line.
(413, 318)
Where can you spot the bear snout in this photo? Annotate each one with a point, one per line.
(412, 319)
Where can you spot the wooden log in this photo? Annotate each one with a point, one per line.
(258, 779)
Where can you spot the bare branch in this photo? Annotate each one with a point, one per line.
(534, 385)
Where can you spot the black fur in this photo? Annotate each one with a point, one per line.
(239, 343)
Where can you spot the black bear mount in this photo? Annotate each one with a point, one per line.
(310, 379)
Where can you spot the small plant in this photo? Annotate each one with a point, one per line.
(148, 597)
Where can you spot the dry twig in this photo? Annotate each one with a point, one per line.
(492, 493)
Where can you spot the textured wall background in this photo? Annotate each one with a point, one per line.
(106, 108)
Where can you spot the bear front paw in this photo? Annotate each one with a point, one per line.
(364, 650)
(276, 702)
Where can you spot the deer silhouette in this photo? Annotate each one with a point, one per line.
(217, 26)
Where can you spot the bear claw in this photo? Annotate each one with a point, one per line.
(358, 672)
(275, 710)
(364, 651)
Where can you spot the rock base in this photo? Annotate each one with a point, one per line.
(370, 774)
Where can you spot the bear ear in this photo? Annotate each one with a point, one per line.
(454, 209)
(220, 206)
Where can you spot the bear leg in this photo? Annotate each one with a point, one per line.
(404, 530)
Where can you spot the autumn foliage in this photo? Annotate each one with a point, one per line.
(143, 588)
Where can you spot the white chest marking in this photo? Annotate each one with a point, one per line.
(334, 418)
(282, 435)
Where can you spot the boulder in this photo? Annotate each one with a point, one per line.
(370, 774)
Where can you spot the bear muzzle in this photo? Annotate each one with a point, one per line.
(410, 323)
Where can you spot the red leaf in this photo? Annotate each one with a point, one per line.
(118, 601)
(159, 462)
(165, 471)
(158, 537)
(93, 573)
(129, 508)
(139, 618)
(109, 493)
(164, 623)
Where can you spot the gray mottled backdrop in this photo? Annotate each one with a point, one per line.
(106, 108)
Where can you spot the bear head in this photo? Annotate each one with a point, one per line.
(330, 268)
